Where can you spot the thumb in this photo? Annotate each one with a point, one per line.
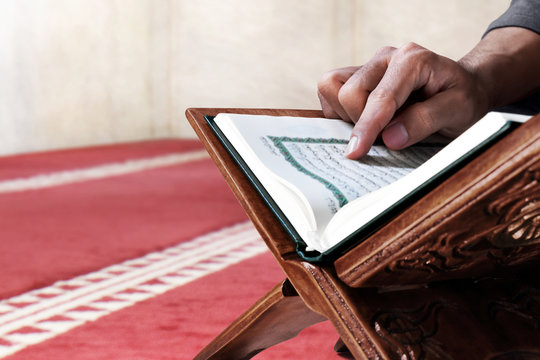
(444, 110)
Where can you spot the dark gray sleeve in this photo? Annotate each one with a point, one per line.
(525, 14)
(521, 13)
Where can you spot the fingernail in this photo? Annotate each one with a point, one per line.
(353, 145)
(396, 136)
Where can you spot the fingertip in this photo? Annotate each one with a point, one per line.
(351, 146)
(357, 147)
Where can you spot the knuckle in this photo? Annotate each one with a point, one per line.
(425, 119)
(329, 80)
(414, 53)
(384, 96)
(384, 51)
(322, 85)
(346, 94)
(415, 59)
(410, 47)
(332, 76)
(329, 112)
(379, 94)
(425, 57)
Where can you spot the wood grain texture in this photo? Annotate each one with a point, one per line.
(477, 222)
(435, 321)
(318, 286)
(257, 210)
(278, 316)
(490, 318)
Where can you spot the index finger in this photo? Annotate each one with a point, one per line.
(406, 73)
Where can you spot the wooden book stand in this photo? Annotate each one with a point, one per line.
(386, 297)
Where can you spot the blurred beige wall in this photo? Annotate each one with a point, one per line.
(75, 72)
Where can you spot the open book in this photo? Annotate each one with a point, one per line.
(325, 200)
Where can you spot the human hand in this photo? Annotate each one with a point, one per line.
(379, 97)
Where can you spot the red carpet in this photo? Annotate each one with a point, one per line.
(133, 251)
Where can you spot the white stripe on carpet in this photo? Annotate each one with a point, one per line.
(98, 172)
(42, 314)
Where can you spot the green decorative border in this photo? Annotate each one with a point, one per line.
(279, 141)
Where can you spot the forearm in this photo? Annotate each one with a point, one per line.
(506, 64)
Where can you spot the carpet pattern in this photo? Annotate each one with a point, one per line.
(132, 251)
(44, 313)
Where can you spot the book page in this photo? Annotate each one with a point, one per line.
(338, 179)
(301, 164)
(308, 154)
(358, 213)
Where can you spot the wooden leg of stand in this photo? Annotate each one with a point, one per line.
(278, 316)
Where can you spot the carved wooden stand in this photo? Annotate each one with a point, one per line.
(480, 221)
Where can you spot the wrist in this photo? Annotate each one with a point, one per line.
(504, 66)
(482, 90)
(485, 69)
